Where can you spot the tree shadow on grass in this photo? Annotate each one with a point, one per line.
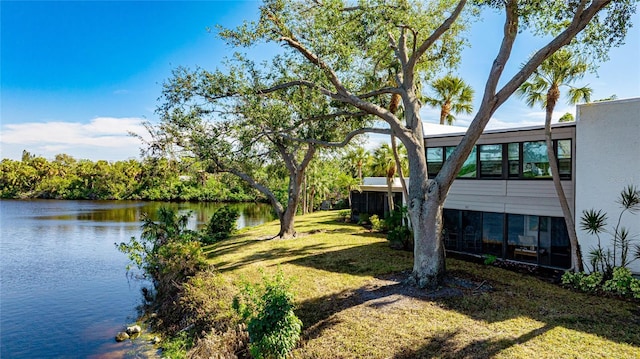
(369, 260)
(500, 296)
(442, 345)
(270, 254)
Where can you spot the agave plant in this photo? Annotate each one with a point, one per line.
(595, 222)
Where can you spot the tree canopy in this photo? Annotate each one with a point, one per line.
(347, 52)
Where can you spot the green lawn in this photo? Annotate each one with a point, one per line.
(351, 300)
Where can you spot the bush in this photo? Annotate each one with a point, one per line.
(399, 235)
(620, 283)
(401, 238)
(377, 224)
(344, 215)
(274, 329)
(363, 218)
(221, 225)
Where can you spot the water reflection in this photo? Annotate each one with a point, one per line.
(64, 288)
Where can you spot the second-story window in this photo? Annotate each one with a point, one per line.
(435, 158)
(535, 160)
(469, 168)
(513, 158)
(490, 160)
(563, 151)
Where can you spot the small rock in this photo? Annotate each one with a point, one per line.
(122, 336)
(155, 340)
(135, 329)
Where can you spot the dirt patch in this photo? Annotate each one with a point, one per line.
(393, 291)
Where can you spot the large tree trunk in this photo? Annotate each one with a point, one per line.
(287, 221)
(429, 257)
(576, 254)
(425, 203)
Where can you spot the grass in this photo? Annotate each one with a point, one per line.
(351, 300)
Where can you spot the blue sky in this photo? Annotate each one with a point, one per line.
(77, 76)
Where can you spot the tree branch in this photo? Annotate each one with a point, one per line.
(347, 139)
(413, 59)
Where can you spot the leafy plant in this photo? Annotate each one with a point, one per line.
(274, 329)
(595, 222)
(344, 215)
(399, 234)
(620, 283)
(490, 259)
(363, 218)
(176, 347)
(169, 255)
(221, 225)
(377, 224)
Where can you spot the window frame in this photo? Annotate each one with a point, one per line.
(506, 162)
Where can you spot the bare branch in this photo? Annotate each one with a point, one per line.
(347, 139)
(413, 60)
(333, 77)
(285, 85)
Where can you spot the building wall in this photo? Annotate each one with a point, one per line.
(535, 197)
(607, 160)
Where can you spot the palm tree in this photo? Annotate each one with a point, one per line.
(358, 157)
(384, 165)
(562, 69)
(452, 95)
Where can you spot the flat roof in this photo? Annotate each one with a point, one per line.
(496, 130)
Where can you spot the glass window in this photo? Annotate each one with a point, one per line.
(490, 160)
(564, 157)
(535, 160)
(522, 241)
(560, 247)
(435, 158)
(514, 159)
(471, 231)
(544, 240)
(468, 169)
(451, 230)
(492, 233)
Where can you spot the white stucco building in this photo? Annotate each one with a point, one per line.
(504, 202)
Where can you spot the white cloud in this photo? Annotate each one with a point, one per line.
(101, 138)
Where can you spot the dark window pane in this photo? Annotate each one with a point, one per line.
(471, 231)
(560, 247)
(492, 233)
(536, 161)
(451, 230)
(435, 158)
(544, 241)
(490, 160)
(564, 158)
(514, 159)
(522, 243)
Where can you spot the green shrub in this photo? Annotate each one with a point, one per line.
(398, 233)
(363, 218)
(274, 329)
(176, 347)
(620, 283)
(344, 215)
(221, 225)
(635, 288)
(377, 224)
(489, 259)
(582, 281)
(401, 238)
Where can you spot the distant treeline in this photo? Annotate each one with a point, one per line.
(150, 179)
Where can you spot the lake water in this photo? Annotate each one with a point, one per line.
(64, 291)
